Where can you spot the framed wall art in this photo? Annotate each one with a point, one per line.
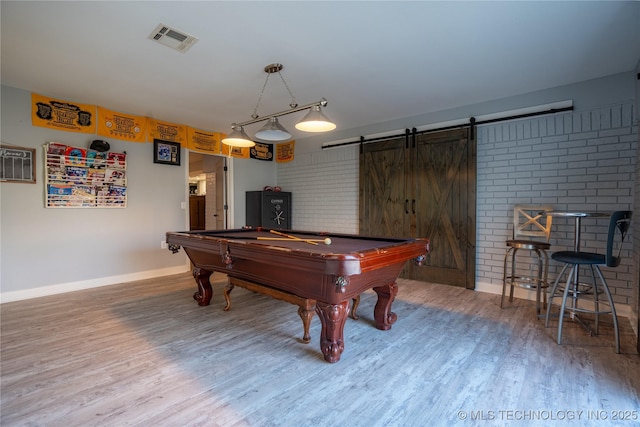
(17, 164)
(166, 152)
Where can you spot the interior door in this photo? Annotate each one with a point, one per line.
(383, 179)
(444, 186)
(424, 186)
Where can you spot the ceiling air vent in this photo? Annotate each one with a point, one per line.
(175, 39)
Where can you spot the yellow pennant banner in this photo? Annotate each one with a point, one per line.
(167, 131)
(122, 126)
(74, 117)
(240, 152)
(203, 141)
(62, 115)
(284, 152)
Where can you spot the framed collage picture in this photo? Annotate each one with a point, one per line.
(166, 152)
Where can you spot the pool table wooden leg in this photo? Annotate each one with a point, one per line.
(204, 293)
(354, 308)
(333, 318)
(305, 311)
(382, 311)
(227, 297)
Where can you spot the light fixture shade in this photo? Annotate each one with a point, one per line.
(238, 138)
(273, 131)
(315, 121)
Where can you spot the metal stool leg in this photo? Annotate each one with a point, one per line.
(541, 283)
(538, 281)
(504, 275)
(513, 273)
(564, 302)
(596, 303)
(553, 293)
(616, 331)
(545, 276)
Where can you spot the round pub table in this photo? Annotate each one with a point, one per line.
(577, 216)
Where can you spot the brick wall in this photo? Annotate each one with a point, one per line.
(324, 187)
(573, 161)
(636, 244)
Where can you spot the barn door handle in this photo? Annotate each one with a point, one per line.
(413, 206)
(406, 206)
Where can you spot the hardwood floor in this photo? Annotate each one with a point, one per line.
(145, 354)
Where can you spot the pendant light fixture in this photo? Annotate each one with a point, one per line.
(238, 138)
(315, 121)
(273, 131)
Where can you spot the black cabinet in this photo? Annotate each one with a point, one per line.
(271, 209)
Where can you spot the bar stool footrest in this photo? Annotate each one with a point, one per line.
(526, 282)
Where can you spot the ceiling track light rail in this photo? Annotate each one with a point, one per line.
(321, 103)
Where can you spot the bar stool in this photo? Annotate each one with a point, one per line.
(619, 224)
(531, 232)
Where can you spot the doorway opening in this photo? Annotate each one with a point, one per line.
(207, 192)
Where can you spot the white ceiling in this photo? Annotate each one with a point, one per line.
(374, 61)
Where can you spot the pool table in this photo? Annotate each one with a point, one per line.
(305, 264)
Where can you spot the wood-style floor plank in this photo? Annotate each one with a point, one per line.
(145, 354)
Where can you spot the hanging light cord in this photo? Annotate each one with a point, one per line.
(292, 104)
(255, 110)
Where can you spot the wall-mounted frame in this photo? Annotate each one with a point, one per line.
(166, 152)
(17, 164)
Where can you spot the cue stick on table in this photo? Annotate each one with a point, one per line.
(292, 237)
(326, 241)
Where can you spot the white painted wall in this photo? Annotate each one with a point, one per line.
(248, 175)
(46, 251)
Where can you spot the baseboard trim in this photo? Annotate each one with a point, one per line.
(44, 291)
(623, 310)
